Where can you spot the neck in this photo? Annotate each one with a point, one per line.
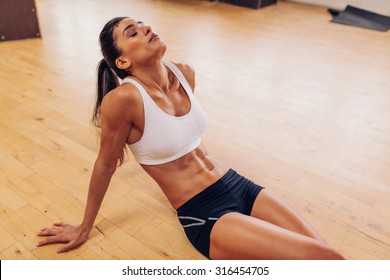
(154, 76)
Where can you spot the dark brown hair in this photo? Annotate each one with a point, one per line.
(107, 72)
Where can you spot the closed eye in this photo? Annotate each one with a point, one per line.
(132, 26)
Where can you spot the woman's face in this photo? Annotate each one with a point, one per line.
(138, 43)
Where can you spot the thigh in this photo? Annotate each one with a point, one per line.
(270, 208)
(237, 236)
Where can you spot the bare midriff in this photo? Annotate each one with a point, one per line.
(183, 178)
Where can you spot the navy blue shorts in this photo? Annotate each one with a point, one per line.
(232, 193)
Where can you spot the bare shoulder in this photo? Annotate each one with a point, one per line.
(188, 72)
(121, 103)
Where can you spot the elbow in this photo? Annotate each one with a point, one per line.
(106, 168)
(111, 169)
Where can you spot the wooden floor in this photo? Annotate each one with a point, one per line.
(296, 103)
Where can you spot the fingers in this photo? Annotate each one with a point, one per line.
(52, 239)
(49, 232)
(55, 234)
(53, 231)
(68, 247)
(63, 233)
(60, 224)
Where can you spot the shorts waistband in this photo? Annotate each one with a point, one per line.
(207, 192)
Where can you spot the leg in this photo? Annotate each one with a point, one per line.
(272, 209)
(237, 236)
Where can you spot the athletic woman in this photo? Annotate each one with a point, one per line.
(153, 111)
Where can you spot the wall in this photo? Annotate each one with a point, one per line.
(378, 6)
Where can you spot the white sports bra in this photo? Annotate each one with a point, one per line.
(166, 137)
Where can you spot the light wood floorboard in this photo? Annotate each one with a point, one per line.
(296, 103)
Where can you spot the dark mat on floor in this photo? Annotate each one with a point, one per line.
(361, 18)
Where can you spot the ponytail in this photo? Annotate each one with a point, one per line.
(106, 81)
(107, 73)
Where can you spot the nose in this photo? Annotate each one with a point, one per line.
(146, 29)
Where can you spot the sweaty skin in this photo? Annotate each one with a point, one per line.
(187, 176)
(122, 122)
(272, 231)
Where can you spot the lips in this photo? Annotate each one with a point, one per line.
(153, 36)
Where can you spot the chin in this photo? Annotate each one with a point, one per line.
(163, 49)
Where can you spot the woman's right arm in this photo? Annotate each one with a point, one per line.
(116, 122)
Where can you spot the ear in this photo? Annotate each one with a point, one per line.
(122, 63)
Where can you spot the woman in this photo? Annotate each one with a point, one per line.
(154, 112)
